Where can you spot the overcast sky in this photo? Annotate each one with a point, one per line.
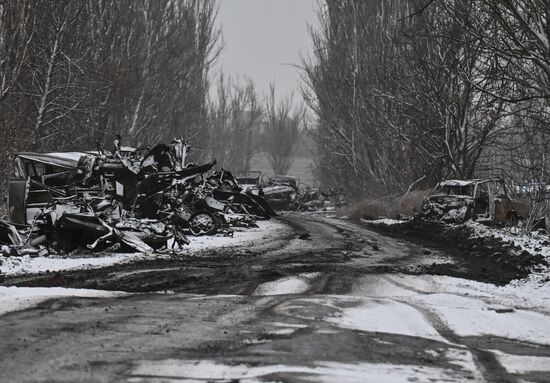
(263, 38)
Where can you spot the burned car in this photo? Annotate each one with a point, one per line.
(251, 181)
(482, 200)
(281, 192)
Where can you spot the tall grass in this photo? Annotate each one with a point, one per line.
(398, 206)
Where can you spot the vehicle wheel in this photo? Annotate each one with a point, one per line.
(203, 223)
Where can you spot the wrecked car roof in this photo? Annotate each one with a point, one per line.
(461, 183)
(67, 160)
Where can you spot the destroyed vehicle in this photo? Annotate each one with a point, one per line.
(281, 192)
(251, 181)
(40, 178)
(237, 200)
(482, 200)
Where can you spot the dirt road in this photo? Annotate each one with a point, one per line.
(330, 301)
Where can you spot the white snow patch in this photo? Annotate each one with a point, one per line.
(465, 360)
(386, 316)
(21, 298)
(266, 230)
(521, 364)
(28, 265)
(534, 242)
(288, 285)
(292, 325)
(468, 308)
(203, 370)
(384, 221)
(282, 331)
(470, 317)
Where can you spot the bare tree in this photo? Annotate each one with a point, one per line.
(73, 73)
(16, 33)
(283, 126)
(234, 122)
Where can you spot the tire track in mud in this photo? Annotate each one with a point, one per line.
(486, 361)
(327, 250)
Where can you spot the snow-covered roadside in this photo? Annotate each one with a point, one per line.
(538, 281)
(534, 242)
(21, 298)
(265, 231)
(468, 308)
(321, 371)
(383, 221)
(441, 309)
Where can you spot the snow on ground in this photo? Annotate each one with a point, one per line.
(521, 364)
(21, 298)
(288, 285)
(265, 231)
(28, 265)
(173, 370)
(429, 306)
(467, 308)
(386, 316)
(534, 243)
(383, 221)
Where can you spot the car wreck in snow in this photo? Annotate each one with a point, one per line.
(141, 199)
(482, 200)
(289, 193)
(251, 181)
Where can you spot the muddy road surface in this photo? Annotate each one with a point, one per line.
(327, 301)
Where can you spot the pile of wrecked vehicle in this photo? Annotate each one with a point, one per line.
(289, 193)
(142, 199)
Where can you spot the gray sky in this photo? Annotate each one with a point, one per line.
(262, 37)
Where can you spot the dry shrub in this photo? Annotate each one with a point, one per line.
(387, 207)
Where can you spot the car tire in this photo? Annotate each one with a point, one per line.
(203, 223)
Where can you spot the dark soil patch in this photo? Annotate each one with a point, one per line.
(487, 259)
(224, 273)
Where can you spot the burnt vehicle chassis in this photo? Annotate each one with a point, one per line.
(481, 200)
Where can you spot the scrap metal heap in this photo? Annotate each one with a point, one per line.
(289, 193)
(144, 199)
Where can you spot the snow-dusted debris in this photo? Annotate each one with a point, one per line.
(533, 243)
(266, 230)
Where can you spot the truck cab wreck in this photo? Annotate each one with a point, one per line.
(482, 200)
